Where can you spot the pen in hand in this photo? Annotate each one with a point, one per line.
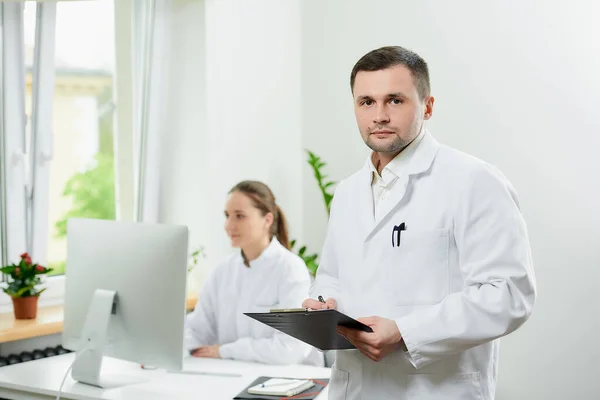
(322, 300)
(319, 303)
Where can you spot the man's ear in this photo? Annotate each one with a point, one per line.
(428, 107)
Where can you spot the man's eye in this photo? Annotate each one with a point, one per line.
(396, 101)
(368, 102)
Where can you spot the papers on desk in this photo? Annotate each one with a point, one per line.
(281, 387)
(315, 327)
(269, 388)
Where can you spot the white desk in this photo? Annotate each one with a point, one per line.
(41, 379)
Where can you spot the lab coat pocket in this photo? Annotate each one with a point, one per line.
(465, 386)
(338, 384)
(418, 267)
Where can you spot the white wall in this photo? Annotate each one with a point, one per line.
(516, 84)
(235, 112)
(253, 88)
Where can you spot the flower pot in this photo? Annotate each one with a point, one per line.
(25, 307)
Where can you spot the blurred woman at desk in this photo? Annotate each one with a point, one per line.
(263, 274)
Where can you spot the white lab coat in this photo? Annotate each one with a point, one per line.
(461, 278)
(276, 279)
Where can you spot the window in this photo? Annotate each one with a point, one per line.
(80, 167)
(57, 136)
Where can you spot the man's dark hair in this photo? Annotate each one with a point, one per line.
(390, 56)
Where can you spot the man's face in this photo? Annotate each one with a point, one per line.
(388, 109)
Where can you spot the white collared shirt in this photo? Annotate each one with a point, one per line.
(381, 185)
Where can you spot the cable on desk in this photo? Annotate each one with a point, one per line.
(69, 370)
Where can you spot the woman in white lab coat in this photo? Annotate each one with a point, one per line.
(263, 274)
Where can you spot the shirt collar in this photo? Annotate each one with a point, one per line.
(397, 166)
(266, 256)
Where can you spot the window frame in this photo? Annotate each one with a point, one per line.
(3, 259)
(42, 136)
(15, 159)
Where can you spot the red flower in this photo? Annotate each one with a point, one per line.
(39, 268)
(25, 255)
(28, 260)
(17, 271)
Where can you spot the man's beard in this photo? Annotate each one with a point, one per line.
(398, 143)
(394, 146)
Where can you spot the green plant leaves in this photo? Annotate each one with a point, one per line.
(9, 269)
(317, 165)
(194, 256)
(91, 192)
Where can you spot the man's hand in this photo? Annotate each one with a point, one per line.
(317, 305)
(384, 339)
(207, 352)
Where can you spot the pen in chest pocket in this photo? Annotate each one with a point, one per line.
(396, 233)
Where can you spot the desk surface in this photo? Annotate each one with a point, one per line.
(41, 379)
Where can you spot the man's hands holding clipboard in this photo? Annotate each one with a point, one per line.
(376, 345)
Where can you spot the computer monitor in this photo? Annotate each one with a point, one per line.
(125, 296)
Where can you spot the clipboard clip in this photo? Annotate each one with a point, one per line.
(284, 310)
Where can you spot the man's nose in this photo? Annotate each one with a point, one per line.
(381, 115)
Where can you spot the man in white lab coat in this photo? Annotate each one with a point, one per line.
(425, 244)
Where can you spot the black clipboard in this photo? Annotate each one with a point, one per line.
(315, 327)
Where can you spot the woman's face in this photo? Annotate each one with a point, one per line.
(244, 223)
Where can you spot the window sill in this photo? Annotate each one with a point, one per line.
(48, 322)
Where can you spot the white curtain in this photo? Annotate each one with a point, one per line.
(153, 31)
(142, 29)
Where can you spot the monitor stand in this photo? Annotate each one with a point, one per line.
(88, 361)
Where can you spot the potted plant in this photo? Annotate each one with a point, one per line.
(22, 286)
(195, 275)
